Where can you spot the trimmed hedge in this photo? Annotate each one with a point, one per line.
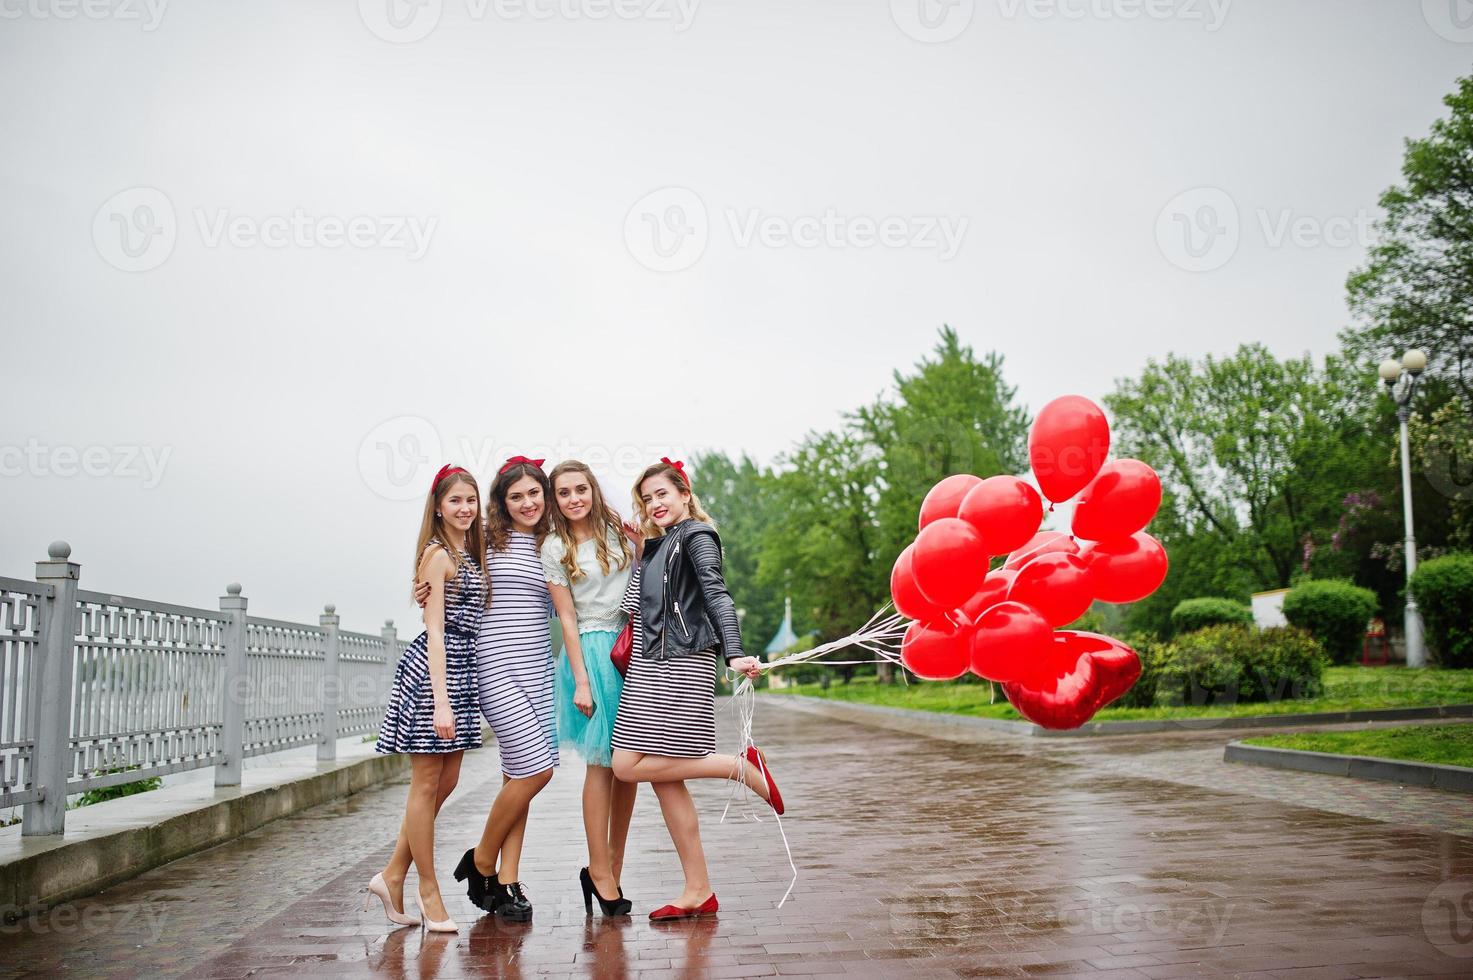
(1234, 663)
(1191, 615)
(1443, 588)
(1335, 612)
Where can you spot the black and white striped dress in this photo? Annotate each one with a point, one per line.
(668, 706)
(514, 664)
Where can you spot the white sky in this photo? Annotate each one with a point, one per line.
(1048, 137)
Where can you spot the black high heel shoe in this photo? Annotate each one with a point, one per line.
(476, 884)
(619, 906)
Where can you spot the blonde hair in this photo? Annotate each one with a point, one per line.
(650, 528)
(498, 518)
(601, 517)
(432, 528)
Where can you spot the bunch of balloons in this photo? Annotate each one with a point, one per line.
(1002, 624)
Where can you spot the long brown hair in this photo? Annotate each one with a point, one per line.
(432, 527)
(498, 518)
(602, 518)
(651, 529)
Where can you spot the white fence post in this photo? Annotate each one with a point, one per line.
(49, 693)
(233, 689)
(392, 652)
(332, 688)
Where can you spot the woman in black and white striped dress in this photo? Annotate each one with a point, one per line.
(684, 619)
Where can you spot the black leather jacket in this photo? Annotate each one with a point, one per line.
(683, 603)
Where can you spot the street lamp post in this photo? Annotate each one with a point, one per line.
(1413, 363)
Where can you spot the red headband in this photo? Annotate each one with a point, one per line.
(445, 471)
(678, 467)
(520, 459)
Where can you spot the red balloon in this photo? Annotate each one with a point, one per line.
(1067, 446)
(1010, 643)
(1042, 543)
(1118, 502)
(1128, 569)
(1057, 585)
(1096, 670)
(949, 563)
(945, 497)
(907, 595)
(994, 590)
(1005, 509)
(936, 651)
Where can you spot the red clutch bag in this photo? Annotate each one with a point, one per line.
(623, 647)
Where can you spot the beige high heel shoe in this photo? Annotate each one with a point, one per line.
(444, 925)
(378, 887)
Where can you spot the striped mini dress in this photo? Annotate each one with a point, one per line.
(514, 665)
(668, 707)
(409, 720)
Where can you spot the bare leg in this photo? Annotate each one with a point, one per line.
(621, 811)
(685, 830)
(598, 785)
(639, 767)
(398, 866)
(419, 817)
(511, 849)
(507, 814)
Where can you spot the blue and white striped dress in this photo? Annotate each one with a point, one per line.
(514, 664)
(409, 719)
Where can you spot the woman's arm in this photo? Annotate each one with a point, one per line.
(567, 616)
(437, 568)
(705, 559)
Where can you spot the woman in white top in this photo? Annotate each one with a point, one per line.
(587, 562)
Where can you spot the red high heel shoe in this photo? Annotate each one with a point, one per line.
(758, 758)
(666, 913)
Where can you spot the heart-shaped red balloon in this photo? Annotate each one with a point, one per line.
(994, 590)
(907, 595)
(1010, 643)
(937, 651)
(1005, 509)
(1042, 543)
(945, 498)
(1126, 570)
(1100, 669)
(1118, 502)
(1057, 585)
(950, 562)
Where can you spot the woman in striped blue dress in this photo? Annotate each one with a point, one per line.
(431, 714)
(515, 672)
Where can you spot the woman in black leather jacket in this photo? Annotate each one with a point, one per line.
(665, 732)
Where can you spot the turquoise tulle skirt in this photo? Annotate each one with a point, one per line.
(590, 737)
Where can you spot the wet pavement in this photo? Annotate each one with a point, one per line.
(1133, 856)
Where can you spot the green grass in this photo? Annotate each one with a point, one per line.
(1346, 689)
(1448, 745)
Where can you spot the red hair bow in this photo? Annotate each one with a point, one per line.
(678, 467)
(445, 471)
(519, 459)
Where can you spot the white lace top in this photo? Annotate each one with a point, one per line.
(596, 595)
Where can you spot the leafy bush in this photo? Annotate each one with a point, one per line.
(1236, 663)
(1143, 693)
(1091, 622)
(121, 790)
(1443, 588)
(1335, 612)
(1191, 615)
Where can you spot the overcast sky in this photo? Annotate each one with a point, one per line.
(265, 266)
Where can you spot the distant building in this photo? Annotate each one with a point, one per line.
(782, 642)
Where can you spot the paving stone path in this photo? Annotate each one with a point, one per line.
(1139, 856)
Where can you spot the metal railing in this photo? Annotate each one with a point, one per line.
(98, 690)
